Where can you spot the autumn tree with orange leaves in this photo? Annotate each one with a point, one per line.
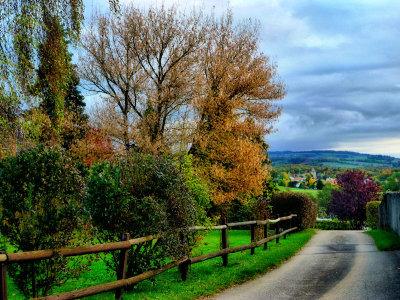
(239, 85)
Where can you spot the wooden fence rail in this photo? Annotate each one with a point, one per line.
(126, 244)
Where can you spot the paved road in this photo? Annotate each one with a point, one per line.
(333, 265)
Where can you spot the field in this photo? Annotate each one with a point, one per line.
(206, 278)
(312, 193)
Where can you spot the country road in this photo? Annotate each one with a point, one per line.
(333, 265)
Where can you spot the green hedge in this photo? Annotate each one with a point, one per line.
(284, 203)
(372, 211)
(333, 225)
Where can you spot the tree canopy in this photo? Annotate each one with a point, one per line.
(356, 189)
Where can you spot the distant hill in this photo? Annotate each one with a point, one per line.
(343, 159)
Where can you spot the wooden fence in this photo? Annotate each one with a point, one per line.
(283, 226)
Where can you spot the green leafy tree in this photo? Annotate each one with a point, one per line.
(40, 195)
(392, 183)
(324, 196)
(142, 195)
(284, 179)
(320, 184)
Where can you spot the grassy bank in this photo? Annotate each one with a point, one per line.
(385, 240)
(206, 278)
(312, 193)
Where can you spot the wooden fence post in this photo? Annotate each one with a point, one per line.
(277, 229)
(183, 267)
(290, 222)
(224, 243)
(265, 233)
(252, 237)
(123, 260)
(285, 226)
(3, 278)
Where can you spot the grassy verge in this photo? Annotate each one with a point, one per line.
(312, 193)
(205, 278)
(385, 240)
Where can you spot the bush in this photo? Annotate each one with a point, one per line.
(40, 194)
(297, 203)
(333, 225)
(372, 211)
(141, 195)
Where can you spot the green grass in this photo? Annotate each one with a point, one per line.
(385, 240)
(205, 278)
(312, 193)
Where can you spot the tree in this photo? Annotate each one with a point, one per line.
(54, 71)
(142, 195)
(324, 198)
(96, 146)
(392, 183)
(235, 108)
(356, 189)
(284, 179)
(26, 22)
(143, 63)
(41, 208)
(309, 182)
(320, 184)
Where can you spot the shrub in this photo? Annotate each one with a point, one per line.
(141, 195)
(372, 211)
(197, 188)
(334, 225)
(40, 194)
(296, 203)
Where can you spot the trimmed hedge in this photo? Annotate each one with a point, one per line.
(372, 211)
(296, 203)
(333, 225)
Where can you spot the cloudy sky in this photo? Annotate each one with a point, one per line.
(341, 64)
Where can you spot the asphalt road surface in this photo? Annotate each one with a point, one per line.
(333, 265)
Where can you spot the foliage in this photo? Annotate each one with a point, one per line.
(24, 25)
(392, 183)
(143, 61)
(141, 195)
(96, 146)
(385, 240)
(356, 189)
(333, 225)
(283, 179)
(320, 184)
(40, 194)
(198, 189)
(324, 198)
(152, 78)
(295, 203)
(310, 182)
(238, 88)
(54, 71)
(372, 211)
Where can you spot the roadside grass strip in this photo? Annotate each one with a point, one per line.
(385, 240)
(205, 278)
